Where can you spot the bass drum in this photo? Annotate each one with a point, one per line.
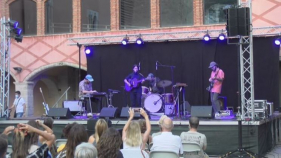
(153, 103)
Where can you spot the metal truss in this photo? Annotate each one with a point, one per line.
(4, 66)
(247, 69)
(166, 36)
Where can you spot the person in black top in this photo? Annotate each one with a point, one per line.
(136, 92)
(152, 84)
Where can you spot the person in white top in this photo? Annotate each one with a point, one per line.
(20, 105)
(166, 141)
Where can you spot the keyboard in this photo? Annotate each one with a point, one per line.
(97, 94)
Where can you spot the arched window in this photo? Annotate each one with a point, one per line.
(24, 11)
(134, 14)
(95, 15)
(176, 13)
(58, 16)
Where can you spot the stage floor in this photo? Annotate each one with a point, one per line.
(222, 135)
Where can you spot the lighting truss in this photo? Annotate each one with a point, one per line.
(165, 36)
(4, 66)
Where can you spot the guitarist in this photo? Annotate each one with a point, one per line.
(136, 92)
(216, 81)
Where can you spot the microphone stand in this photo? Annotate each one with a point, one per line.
(172, 70)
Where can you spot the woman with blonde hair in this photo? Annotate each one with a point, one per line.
(131, 134)
(100, 127)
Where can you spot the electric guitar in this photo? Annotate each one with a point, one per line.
(210, 87)
(45, 105)
(134, 83)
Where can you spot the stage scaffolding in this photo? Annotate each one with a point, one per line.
(5, 66)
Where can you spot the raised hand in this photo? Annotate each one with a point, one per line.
(143, 113)
(131, 113)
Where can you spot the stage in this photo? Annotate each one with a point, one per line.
(259, 137)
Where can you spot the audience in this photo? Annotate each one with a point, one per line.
(3, 146)
(86, 150)
(131, 135)
(142, 124)
(159, 123)
(65, 133)
(4, 141)
(100, 128)
(20, 147)
(31, 140)
(166, 141)
(192, 136)
(76, 135)
(109, 144)
(47, 125)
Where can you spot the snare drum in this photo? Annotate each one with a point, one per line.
(145, 90)
(153, 103)
(168, 98)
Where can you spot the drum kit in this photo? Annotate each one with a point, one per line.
(155, 102)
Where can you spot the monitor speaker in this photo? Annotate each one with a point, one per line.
(62, 113)
(125, 113)
(201, 111)
(108, 112)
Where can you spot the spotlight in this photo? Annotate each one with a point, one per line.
(125, 40)
(139, 41)
(18, 38)
(17, 31)
(88, 50)
(13, 23)
(206, 37)
(277, 41)
(222, 37)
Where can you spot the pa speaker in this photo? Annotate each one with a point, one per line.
(62, 113)
(201, 111)
(238, 21)
(125, 113)
(108, 112)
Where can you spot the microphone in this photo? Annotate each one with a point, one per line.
(40, 90)
(139, 66)
(156, 65)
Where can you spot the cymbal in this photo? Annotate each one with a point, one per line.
(164, 83)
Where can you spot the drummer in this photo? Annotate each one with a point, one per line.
(152, 84)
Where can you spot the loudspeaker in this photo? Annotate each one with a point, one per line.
(201, 111)
(108, 112)
(125, 113)
(238, 21)
(62, 113)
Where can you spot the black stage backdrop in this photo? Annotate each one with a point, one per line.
(110, 64)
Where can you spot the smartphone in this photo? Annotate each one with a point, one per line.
(136, 109)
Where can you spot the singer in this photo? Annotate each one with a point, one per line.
(20, 105)
(135, 93)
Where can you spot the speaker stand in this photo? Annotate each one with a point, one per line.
(240, 152)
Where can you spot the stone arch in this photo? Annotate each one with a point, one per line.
(37, 71)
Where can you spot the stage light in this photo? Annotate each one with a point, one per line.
(125, 40)
(17, 31)
(18, 38)
(277, 41)
(139, 41)
(222, 37)
(88, 50)
(13, 23)
(206, 37)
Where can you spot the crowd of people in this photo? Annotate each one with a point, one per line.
(36, 139)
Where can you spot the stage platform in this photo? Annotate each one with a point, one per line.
(259, 136)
